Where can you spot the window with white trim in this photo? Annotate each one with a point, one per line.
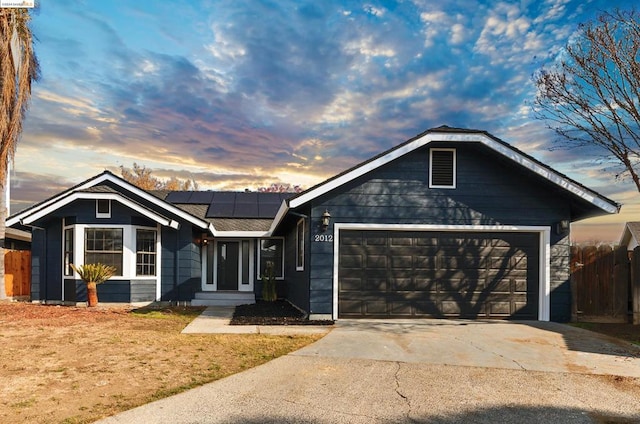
(300, 245)
(68, 251)
(146, 252)
(103, 208)
(442, 168)
(271, 250)
(105, 246)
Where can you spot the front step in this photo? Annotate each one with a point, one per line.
(223, 298)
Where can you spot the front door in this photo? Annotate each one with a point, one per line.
(227, 265)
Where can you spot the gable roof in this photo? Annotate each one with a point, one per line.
(449, 134)
(630, 235)
(95, 188)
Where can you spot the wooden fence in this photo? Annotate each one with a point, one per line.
(605, 282)
(17, 273)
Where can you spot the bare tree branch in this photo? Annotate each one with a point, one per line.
(591, 95)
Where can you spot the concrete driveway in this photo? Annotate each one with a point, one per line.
(425, 371)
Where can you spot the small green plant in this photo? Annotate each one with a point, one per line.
(269, 293)
(94, 273)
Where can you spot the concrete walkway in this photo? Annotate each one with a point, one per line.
(425, 371)
(215, 320)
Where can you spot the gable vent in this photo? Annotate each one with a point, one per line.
(443, 168)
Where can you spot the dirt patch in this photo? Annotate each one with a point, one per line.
(272, 313)
(623, 331)
(76, 365)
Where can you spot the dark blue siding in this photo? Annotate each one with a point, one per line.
(297, 282)
(143, 290)
(490, 191)
(180, 265)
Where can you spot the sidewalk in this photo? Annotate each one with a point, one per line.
(215, 320)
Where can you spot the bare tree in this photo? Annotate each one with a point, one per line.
(142, 177)
(591, 95)
(18, 69)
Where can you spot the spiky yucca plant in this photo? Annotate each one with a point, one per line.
(94, 273)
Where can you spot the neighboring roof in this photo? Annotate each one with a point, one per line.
(449, 134)
(631, 234)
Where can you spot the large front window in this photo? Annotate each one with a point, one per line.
(145, 252)
(104, 245)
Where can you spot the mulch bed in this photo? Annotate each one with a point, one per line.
(279, 312)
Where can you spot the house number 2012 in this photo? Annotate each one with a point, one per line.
(324, 238)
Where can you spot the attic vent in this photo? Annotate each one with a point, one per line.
(442, 168)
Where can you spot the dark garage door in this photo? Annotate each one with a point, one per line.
(438, 274)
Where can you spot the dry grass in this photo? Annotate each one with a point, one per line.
(74, 365)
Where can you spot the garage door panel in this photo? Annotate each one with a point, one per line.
(376, 261)
(441, 274)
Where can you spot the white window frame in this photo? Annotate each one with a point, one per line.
(259, 277)
(455, 167)
(103, 214)
(300, 246)
(129, 258)
(155, 252)
(66, 228)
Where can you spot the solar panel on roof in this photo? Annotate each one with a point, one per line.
(268, 210)
(245, 210)
(224, 197)
(269, 198)
(201, 197)
(247, 198)
(220, 210)
(178, 196)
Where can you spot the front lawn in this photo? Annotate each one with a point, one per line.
(75, 365)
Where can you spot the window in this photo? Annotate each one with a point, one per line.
(68, 251)
(271, 250)
(104, 245)
(145, 252)
(103, 208)
(442, 166)
(300, 245)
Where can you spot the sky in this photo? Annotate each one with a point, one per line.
(241, 94)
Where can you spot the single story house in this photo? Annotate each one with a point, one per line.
(451, 223)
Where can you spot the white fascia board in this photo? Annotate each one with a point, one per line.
(110, 177)
(241, 234)
(282, 212)
(545, 172)
(108, 196)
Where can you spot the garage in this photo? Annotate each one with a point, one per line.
(443, 274)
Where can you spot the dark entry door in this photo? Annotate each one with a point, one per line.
(228, 256)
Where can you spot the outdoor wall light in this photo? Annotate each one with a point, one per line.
(326, 216)
(562, 227)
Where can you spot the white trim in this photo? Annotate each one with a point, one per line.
(107, 176)
(544, 295)
(259, 249)
(438, 149)
(94, 196)
(213, 244)
(240, 234)
(516, 157)
(103, 214)
(300, 267)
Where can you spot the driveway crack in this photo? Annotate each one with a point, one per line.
(405, 398)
